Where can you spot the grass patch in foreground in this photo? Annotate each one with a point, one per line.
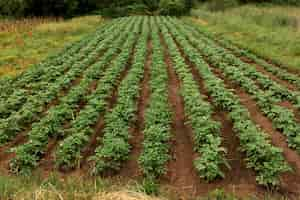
(22, 46)
(57, 188)
(76, 187)
(269, 31)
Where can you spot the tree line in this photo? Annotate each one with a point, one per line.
(20, 8)
(69, 8)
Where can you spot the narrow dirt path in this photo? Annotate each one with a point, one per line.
(181, 173)
(47, 164)
(131, 167)
(290, 181)
(287, 104)
(239, 177)
(112, 100)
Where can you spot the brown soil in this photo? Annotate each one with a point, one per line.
(270, 75)
(131, 167)
(291, 107)
(21, 138)
(47, 163)
(290, 181)
(98, 128)
(239, 177)
(6, 155)
(181, 173)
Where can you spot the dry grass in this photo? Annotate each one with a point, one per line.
(14, 26)
(68, 26)
(43, 194)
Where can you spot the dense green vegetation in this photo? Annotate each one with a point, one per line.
(114, 8)
(256, 28)
(69, 8)
(121, 47)
(157, 100)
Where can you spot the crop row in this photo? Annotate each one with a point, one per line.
(56, 79)
(277, 91)
(265, 159)
(52, 125)
(281, 73)
(35, 104)
(156, 146)
(282, 118)
(115, 148)
(48, 69)
(207, 140)
(68, 153)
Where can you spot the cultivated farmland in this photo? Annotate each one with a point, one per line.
(156, 98)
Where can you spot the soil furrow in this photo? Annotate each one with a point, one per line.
(181, 172)
(290, 181)
(259, 68)
(48, 161)
(238, 174)
(112, 100)
(131, 167)
(239, 179)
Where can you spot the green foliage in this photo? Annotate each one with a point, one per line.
(13, 7)
(207, 141)
(157, 117)
(172, 7)
(150, 186)
(51, 125)
(115, 146)
(69, 152)
(187, 49)
(67, 8)
(282, 2)
(262, 156)
(221, 5)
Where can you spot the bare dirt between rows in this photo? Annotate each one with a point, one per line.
(131, 167)
(21, 138)
(89, 150)
(238, 179)
(290, 181)
(47, 163)
(259, 67)
(181, 174)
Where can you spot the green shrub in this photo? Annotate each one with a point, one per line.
(172, 7)
(221, 5)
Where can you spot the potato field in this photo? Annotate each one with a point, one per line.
(155, 98)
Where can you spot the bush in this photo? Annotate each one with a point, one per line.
(172, 7)
(121, 11)
(221, 5)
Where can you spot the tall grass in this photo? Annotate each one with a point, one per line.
(28, 41)
(270, 31)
